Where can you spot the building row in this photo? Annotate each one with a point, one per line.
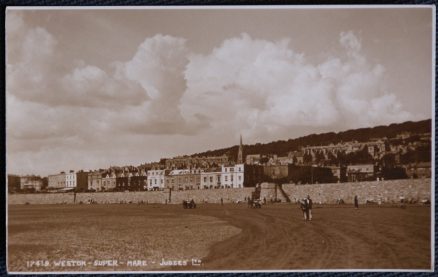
(226, 176)
(375, 148)
(182, 162)
(135, 179)
(27, 183)
(185, 173)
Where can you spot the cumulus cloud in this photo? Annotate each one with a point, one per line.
(30, 62)
(158, 65)
(261, 86)
(91, 86)
(140, 95)
(39, 75)
(70, 107)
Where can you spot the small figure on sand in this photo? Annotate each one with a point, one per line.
(309, 207)
(303, 206)
(356, 202)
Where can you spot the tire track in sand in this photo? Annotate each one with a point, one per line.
(275, 237)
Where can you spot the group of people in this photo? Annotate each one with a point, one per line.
(307, 203)
(306, 206)
(189, 204)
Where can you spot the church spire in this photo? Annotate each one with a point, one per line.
(240, 153)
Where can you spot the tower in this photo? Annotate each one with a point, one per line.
(240, 153)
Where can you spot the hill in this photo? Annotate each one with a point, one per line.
(282, 147)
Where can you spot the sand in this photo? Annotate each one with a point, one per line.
(229, 237)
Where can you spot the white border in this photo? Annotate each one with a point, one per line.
(216, 271)
(247, 7)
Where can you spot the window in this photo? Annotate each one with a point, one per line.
(232, 178)
(226, 178)
(240, 178)
(211, 179)
(205, 179)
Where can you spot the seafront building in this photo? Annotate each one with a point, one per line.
(109, 181)
(95, 180)
(211, 179)
(155, 179)
(131, 179)
(232, 176)
(31, 183)
(64, 180)
(70, 179)
(82, 180)
(183, 179)
(57, 181)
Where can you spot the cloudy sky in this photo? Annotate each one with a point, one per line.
(94, 88)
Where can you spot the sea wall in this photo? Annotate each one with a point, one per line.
(199, 196)
(387, 191)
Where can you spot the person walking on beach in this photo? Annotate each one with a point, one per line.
(309, 207)
(303, 206)
(222, 201)
(356, 202)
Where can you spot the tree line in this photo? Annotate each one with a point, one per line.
(283, 147)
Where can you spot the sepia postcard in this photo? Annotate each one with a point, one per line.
(220, 139)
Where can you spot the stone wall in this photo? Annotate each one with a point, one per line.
(200, 196)
(388, 191)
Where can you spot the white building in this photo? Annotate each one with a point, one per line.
(232, 176)
(70, 179)
(155, 179)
